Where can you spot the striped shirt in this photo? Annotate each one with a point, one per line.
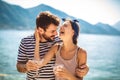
(26, 52)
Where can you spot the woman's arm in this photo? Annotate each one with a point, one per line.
(49, 55)
(37, 41)
(36, 52)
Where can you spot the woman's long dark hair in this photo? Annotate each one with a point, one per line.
(75, 27)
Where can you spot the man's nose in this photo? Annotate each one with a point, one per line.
(56, 33)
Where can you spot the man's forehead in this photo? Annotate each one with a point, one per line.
(52, 27)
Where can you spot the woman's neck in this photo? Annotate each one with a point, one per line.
(68, 45)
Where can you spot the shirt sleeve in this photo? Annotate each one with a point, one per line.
(22, 52)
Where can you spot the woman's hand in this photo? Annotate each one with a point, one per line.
(64, 73)
(37, 35)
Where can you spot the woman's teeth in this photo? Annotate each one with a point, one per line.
(61, 32)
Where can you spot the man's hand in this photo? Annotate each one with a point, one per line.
(82, 70)
(21, 67)
(31, 65)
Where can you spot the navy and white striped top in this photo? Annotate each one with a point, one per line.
(26, 52)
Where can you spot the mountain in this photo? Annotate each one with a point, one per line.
(42, 7)
(89, 28)
(108, 29)
(117, 25)
(13, 16)
(16, 17)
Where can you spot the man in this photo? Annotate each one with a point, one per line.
(47, 23)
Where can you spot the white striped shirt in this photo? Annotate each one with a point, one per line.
(26, 52)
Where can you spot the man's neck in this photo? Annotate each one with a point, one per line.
(43, 40)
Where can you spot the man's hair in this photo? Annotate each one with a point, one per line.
(46, 18)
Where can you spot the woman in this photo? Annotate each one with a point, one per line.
(67, 54)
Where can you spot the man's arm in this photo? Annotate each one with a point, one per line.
(30, 65)
(22, 58)
(82, 68)
(21, 67)
(49, 55)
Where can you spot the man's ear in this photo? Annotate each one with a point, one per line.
(40, 30)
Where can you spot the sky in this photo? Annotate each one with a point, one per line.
(92, 11)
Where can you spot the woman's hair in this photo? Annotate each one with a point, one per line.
(76, 27)
(46, 18)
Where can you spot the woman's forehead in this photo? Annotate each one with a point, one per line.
(66, 23)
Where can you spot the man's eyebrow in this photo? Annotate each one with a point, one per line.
(53, 30)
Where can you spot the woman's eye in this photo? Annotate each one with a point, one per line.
(65, 25)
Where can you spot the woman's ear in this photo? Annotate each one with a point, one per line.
(73, 32)
(40, 30)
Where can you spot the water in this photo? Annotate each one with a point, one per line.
(103, 56)
(102, 53)
(9, 43)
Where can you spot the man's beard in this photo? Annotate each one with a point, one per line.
(48, 38)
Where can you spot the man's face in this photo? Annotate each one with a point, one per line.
(50, 32)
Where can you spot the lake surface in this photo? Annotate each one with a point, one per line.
(103, 54)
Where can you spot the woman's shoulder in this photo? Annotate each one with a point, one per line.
(81, 52)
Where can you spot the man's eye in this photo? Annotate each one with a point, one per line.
(53, 31)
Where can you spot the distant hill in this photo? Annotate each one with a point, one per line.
(42, 7)
(108, 29)
(13, 17)
(117, 25)
(16, 17)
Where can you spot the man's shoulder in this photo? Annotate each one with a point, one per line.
(57, 39)
(28, 39)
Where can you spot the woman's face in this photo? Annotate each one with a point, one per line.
(66, 30)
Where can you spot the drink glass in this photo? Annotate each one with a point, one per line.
(56, 68)
(37, 71)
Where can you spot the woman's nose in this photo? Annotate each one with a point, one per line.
(61, 27)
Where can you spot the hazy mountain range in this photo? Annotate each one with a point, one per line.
(16, 17)
(117, 25)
